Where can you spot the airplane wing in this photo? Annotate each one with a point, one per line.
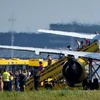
(72, 34)
(53, 51)
(31, 49)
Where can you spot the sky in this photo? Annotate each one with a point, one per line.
(31, 15)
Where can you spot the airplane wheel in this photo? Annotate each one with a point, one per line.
(90, 85)
(85, 84)
(48, 86)
(95, 83)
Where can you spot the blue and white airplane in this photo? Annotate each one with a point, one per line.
(73, 71)
(79, 35)
(57, 51)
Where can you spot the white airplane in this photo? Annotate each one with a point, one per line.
(73, 34)
(68, 68)
(76, 67)
(57, 51)
(94, 36)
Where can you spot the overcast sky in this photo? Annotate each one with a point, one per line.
(31, 15)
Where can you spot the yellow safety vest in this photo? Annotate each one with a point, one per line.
(6, 76)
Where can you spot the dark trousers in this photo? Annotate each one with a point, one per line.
(22, 85)
(6, 85)
(36, 82)
(10, 85)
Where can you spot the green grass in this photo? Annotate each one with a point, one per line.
(52, 95)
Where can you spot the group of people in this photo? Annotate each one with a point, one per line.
(17, 80)
(81, 44)
(13, 81)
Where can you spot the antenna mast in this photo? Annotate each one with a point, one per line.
(12, 20)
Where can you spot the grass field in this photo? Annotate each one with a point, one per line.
(52, 95)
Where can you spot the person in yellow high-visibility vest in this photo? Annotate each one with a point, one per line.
(6, 79)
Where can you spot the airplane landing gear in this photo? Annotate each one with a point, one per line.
(91, 82)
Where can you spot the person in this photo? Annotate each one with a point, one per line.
(61, 55)
(11, 82)
(6, 79)
(87, 42)
(36, 81)
(40, 66)
(32, 72)
(16, 80)
(69, 48)
(28, 73)
(22, 81)
(82, 45)
(37, 76)
(25, 72)
(1, 83)
(49, 60)
(78, 43)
